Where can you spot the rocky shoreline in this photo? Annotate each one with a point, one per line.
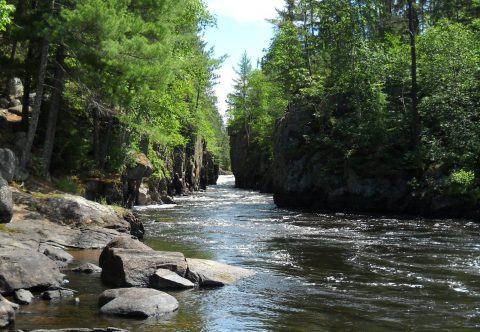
(38, 230)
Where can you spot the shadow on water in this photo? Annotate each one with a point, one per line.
(315, 272)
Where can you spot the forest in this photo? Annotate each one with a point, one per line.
(89, 85)
(369, 104)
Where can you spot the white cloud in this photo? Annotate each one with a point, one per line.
(245, 10)
(227, 74)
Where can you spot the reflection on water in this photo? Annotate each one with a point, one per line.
(316, 272)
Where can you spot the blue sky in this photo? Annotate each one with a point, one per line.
(241, 26)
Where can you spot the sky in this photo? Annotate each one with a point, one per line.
(241, 26)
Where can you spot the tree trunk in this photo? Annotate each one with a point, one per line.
(53, 112)
(27, 86)
(38, 104)
(415, 118)
(38, 100)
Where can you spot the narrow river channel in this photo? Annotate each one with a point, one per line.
(315, 272)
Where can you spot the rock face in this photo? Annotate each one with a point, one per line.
(210, 170)
(251, 168)
(136, 302)
(166, 279)
(6, 202)
(214, 274)
(7, 312)
(23, 296)
(304, 178)
(27, 269)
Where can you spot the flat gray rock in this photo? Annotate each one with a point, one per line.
(136, 302)
(26, 269)
(166, 279)
(23, 296)
(214, 274)
(88, 268)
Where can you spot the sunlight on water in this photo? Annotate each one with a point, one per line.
(315, 272)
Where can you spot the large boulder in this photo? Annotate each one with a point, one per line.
(208, 273)
(166, 279)
(15, 87)
(134, 268)
(136, 302)
(27, 269)
(8, 164)
(6, 202)
(7, 312)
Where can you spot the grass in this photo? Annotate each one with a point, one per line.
(5, 229)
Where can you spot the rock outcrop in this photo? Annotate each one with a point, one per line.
(78, 212)
(252, 168)
(27, 269)
(136, 302)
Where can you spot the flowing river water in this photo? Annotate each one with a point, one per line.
(315, 272)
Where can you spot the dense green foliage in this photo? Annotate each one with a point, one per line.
(350, 64)
(133, 71)
(5, 12)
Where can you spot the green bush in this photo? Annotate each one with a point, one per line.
(68, 185)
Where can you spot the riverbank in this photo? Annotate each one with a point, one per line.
(51, 233)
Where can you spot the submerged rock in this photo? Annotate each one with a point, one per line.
(166, 279)
(27, 269)
(58, 294)
(136, 302)
(214, 274)
(88, 268)
(23, 296)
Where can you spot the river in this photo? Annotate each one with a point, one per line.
(315, 272)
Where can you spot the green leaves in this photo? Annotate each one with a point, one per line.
(5, 14)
